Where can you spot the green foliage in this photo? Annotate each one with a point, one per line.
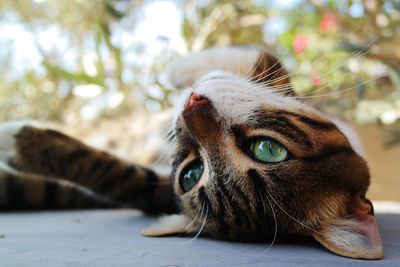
(342, 51)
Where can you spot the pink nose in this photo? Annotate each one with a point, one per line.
(195, 100)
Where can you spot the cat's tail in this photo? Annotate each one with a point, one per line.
(252, 63)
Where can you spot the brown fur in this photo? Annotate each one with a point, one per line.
(53, 154)
(318, 191)
(327, 173)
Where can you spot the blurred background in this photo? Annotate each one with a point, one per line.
(96, 67)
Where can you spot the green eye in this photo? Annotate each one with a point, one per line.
(268, 150)
(191, 174)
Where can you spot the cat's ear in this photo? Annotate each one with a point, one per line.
(169, 225)
(270, 72)
(355, 236)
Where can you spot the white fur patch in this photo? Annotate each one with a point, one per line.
(7, 151)
(220, 75)
(8, 130)
(235, 98)
(172, 224)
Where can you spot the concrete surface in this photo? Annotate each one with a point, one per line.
(112, 238)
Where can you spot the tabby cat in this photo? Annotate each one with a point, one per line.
(250, 162)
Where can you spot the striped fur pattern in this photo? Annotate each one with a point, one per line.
(71, 171)
(319, 191)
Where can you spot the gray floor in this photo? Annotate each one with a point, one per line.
(112, 238)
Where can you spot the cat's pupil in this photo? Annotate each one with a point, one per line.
(191, 174)
(268, 150)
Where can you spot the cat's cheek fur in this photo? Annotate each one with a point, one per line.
(170, 225)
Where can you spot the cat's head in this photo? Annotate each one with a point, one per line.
(250, 160)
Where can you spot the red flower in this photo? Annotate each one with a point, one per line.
(316, 80)
(299, 43)
(328, 22)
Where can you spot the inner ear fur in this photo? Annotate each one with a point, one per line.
(269, 71)
(353, 236)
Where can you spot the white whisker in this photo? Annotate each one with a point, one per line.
(276, 224)
(203, 224)
(312, 64)
(290, 216)
(332, 93)
(192, 221)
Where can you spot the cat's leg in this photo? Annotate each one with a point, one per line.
(25, 191)
(50, 153)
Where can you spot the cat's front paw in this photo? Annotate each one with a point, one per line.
(8, 133)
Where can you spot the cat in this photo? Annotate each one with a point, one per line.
(251, 162)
